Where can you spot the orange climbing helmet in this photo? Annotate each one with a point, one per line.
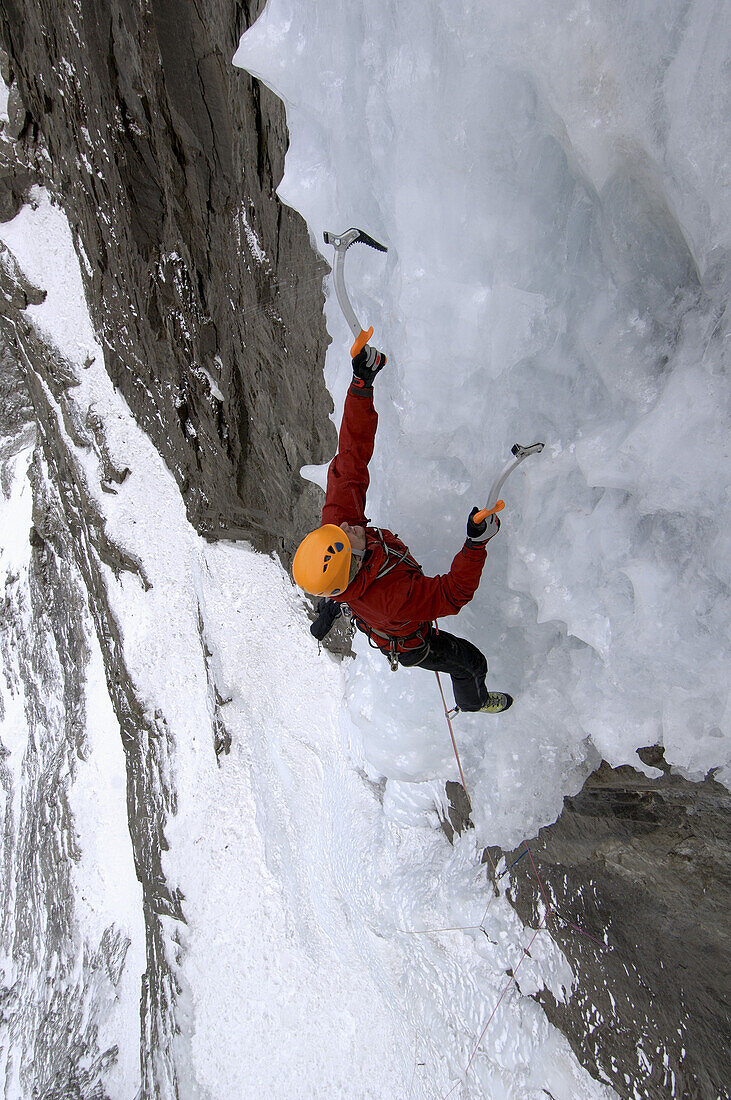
(322, 563)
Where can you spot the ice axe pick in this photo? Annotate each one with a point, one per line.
(494, 504)
(341, 242)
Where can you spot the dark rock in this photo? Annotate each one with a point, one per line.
(641, 867)
(17, 114)
(203, 286)
(16, 408)
(5, 71)
(17, 172)
(36, 540)
(10, 200)
(457, 818)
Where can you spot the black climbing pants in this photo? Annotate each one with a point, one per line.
(461, 659)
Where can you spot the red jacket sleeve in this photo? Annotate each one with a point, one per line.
(347, 477)
(429, 598)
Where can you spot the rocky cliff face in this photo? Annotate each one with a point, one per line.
(51, 992)
(636, 874)
(202, 286)
(632, 883)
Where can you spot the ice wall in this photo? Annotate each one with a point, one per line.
(551, 182)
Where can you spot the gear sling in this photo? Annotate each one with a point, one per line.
(394, 644)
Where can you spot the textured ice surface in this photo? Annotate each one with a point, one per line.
(552, 183)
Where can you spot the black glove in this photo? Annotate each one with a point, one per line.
(480, 533)
(366, 365)
(328, 613)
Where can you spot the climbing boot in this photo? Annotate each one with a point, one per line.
(497, 701)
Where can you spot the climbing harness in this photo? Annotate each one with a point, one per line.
(395, 643)
(393, 558)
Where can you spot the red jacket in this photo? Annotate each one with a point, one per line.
(402, 601)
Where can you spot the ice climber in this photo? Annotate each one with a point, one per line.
(370, 570)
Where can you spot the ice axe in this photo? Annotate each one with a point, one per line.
(494, 504)
(341, 242)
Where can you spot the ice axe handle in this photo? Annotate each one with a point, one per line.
(360, 341)
(479, 516)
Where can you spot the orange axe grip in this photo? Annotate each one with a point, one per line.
(479, 516)
(361, 341)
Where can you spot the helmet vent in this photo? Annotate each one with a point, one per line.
(337, 548)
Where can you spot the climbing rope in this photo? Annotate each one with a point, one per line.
(448, 716)
(526, 951)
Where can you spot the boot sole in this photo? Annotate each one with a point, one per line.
(502, 710)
